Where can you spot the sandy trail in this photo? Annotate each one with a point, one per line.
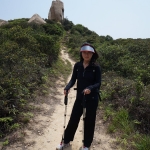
(45, 131)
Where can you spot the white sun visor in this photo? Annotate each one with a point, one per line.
(87, 48)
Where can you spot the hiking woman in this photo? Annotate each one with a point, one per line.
(88, 76)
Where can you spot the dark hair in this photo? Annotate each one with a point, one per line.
(95, 55)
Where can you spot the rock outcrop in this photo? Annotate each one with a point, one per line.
(56, 11)
(3, 22)
(36, 19)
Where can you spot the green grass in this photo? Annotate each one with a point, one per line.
(60, 69)
(123, 127)
(142, 142)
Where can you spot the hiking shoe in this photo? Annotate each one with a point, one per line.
(62, 145)
(85, 148)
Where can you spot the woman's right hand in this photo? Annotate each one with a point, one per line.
(66, 92)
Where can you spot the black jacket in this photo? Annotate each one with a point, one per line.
(89, 78)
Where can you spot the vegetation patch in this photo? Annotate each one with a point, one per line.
(27, 54)
(29, 62)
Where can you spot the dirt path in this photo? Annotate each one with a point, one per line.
(46, 129)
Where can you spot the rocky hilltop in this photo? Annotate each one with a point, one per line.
(56, 13)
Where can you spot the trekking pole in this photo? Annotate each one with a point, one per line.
(65, 102)
(84, 115)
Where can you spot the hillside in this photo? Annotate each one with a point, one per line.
(29, 54)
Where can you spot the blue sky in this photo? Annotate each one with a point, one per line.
(117, 18)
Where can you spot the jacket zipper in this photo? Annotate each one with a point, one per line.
(84, 72)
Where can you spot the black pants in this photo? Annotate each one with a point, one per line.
(89, 125)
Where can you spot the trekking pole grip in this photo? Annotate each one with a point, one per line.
(66, 98)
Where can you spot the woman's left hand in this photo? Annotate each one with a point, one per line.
(87, 91)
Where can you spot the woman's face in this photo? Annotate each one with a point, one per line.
(87, 55)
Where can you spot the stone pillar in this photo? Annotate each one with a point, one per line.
(56, 11)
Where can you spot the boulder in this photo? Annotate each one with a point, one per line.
(3, 22)
(56, 11)
(36, 19)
